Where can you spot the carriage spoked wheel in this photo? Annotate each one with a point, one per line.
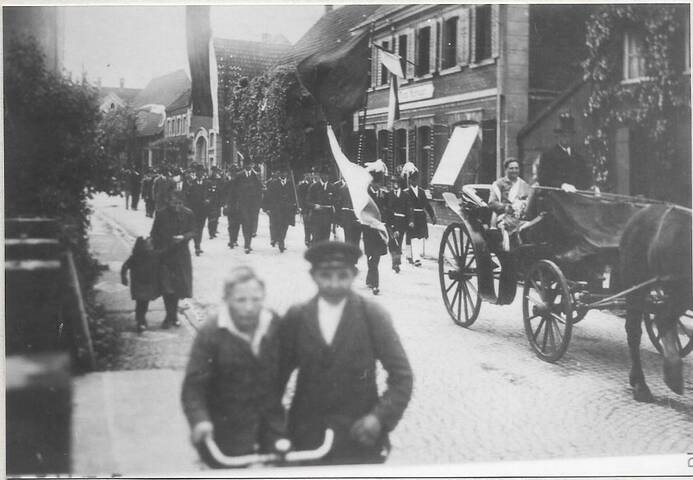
(684, 326)
(457, 269)
(547, 310)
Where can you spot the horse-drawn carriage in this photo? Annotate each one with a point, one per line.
(568, 266)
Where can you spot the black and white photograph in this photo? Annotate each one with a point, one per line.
(349, 240)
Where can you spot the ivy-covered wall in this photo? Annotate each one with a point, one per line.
(652, 108)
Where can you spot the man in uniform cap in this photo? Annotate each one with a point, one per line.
(418, 226)
(280, 204)
(334, 340)
(320, 201)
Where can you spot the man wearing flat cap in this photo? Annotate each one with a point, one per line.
(334, 340)
(561, 166)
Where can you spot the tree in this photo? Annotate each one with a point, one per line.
(52, 159)
(117, 139)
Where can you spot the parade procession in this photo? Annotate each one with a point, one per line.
(351, 240)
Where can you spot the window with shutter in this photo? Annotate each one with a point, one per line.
(463, 37)
(423, 51)
(633, 58)
(411, 55)
(450, 43)
(374, 67)
(482, 33)
(403, 52)
(435, 42)
(384, 73)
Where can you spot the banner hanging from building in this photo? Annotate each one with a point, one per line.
(198, 38)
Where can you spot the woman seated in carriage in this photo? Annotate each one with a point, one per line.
(508, 201)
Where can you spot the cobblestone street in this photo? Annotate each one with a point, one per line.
(480, 394)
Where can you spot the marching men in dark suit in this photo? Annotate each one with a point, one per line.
(198, 201)
(418, 226)
(320, 201)
(302, 192)
(345, 216)
(249, 193)
(231, 209)
(561, 166)
(397, 219)
(215, 194)
(335, 340)
(280, 203)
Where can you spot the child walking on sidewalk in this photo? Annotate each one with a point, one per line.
(143, 265)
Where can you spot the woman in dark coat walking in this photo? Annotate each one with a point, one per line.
(172, 231)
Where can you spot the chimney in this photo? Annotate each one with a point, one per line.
(329, 8)
(122, 82)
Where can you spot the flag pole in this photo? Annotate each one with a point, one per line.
(362, 120)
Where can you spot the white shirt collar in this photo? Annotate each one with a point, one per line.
(329, 316)
(224, 321)
(415, 189)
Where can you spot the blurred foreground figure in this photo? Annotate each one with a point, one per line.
(334, 340)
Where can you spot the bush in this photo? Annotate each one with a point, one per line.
(53, 161)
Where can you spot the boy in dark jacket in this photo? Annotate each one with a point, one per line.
(143, 265)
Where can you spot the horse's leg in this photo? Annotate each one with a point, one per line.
(641, 391)
(673, 365)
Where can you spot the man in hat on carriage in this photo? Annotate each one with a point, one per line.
(280, 204)
(320, 201)
(561, 166)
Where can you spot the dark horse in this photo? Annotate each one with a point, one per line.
(656, 243)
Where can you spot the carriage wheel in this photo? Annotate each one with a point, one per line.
(547, 310)
(457, 270)
(684, 339)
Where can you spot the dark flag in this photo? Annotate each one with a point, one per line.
(338, 78)
(198, 36)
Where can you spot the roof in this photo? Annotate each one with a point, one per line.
(163, 90)
(253, 58)
(381, 12)
(183, 101)
(332, 28)
(126, 94)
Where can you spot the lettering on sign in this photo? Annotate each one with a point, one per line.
(417, 92)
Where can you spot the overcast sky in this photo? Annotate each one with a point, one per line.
(138, 43)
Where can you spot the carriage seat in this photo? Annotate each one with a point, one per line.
(474, 202)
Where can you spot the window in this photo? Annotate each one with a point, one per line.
(423, 49)
(482, 33)
(384, 72)
(633, 59)
(400, 146)
(450, 42)
(383, 145)
(402, 51)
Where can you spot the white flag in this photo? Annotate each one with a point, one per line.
(391, 62)
(357, 180)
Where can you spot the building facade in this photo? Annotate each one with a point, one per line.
(464, 65)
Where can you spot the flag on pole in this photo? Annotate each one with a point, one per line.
(392, 63)
(198, 37)
(393, 103)
(214, 84)
(357, 180)
(338, 78)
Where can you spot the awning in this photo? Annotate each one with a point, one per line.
(456, 153)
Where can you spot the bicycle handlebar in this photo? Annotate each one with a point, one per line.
(264, 458)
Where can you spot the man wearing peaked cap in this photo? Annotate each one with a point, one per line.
(334, 340)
